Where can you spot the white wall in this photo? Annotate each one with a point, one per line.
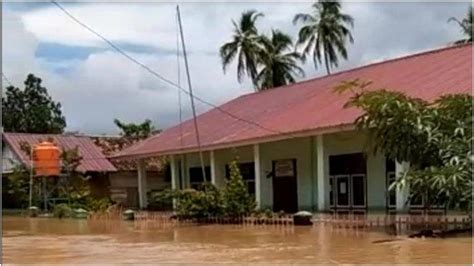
(304, 151)
(9, 159)
(299, 149)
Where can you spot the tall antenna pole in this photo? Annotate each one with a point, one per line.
(198, 140)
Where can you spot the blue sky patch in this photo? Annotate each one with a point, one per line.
(61, 52)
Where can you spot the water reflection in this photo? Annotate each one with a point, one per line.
(80, 241)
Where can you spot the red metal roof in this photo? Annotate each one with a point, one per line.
(93, 160)
(312, 105)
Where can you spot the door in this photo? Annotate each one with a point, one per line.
(347, 178)
(358, 191)
(285, 194)
(342, 194)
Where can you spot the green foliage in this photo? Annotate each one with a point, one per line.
(141, 130)
(278, 61)
(435, 138)
(324, 33)
(31, 110)
(245, 46)
(236, 199)
(191, 203)
(62, 210)
(466, 26)
(97, 205)
(269, 61)
(232, 201)
(16, 188)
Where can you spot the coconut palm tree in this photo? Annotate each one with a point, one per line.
(324, 33)
(278, 60)
(245, 45)
(466, 26)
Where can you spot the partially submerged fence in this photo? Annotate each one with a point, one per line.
(397, 223)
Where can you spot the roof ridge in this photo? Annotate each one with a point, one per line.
(45, 134)
(399, 58)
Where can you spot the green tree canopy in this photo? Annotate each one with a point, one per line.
(434, 137)
(466, 26)
(31, 110)
(140, 130)
(269, 61)
(324, 33)
(279, 62)
(245, 45)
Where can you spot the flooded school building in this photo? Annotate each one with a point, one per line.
(297, 145)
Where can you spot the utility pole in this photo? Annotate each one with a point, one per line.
(198, 140)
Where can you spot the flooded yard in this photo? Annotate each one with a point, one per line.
(40, 240)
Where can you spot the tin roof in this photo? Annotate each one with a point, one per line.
(113, 144)
(93, 160)
(312, 106)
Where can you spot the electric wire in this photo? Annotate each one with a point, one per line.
(162, 78)
(7, 80)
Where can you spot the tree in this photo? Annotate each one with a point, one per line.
(324, 33)
(435, 138)
(279, 63)
(142, 130)
(245, 45)
(31, 110)
(466, 26)
(236, 199)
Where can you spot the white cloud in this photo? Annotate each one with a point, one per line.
(105, 86)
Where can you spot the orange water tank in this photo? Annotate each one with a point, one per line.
(46, 159)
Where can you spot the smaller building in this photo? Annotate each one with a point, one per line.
(116, 180)
(123, 184)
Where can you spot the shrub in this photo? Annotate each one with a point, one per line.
(191, 203)
(62, 210)
(232, 201)
(236, 199)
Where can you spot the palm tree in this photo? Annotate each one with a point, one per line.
(245, 45)
(324, 33)
(278, 61)
(466, 26)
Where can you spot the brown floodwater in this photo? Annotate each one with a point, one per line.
(41, 240)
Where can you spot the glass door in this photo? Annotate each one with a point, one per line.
(358, 196)
(342, 191)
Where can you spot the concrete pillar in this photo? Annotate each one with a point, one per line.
(182, 177)
(256, 159)
(174, 173)
(320, 158)
(402, 194)
(174, 177)
(213, 168)
(142, 187)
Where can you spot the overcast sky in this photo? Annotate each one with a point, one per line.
(95, 84)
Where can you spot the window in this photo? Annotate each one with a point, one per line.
(196, 178)
(247, 170)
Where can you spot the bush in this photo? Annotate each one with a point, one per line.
(160, 201)
(62, 211)
(232, 201)
(191, 203)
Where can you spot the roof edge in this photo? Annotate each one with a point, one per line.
(259, 140)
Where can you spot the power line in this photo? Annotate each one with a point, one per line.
(6, 79)
(156, 74)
